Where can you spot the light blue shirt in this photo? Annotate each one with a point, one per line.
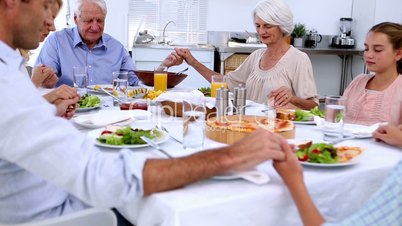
(47, 167)
(65, 49)
(384, 208)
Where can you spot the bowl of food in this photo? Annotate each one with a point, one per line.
(147, 77)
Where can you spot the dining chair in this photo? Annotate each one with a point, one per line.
(88, 217)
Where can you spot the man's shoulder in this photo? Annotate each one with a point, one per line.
(65, 33)
(110, 40)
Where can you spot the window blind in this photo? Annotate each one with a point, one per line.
(189, 17)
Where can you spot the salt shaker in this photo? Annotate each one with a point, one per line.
(239, 100)
(222, 101)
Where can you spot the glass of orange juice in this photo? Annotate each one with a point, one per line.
(160, 78)
(217, 82)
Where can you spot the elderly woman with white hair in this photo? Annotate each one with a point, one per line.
(279, 74)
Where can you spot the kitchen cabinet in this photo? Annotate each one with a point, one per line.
(147, 57)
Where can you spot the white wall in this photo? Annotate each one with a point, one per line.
(236, 15)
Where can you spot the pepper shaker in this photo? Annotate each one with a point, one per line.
(239, 100)
(222, 101)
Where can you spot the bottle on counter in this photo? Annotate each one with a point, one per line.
(239, 100)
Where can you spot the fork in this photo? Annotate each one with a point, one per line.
(156, 146)
(164, 129)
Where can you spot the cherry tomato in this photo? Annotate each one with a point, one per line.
(304, 159)
(106, 132)
(316, 151)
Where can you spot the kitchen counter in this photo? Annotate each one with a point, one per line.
(226, 51)
(191, 46)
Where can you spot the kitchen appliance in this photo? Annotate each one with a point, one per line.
(344, 40)
(312, 39)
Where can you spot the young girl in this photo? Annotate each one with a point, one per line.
(377, 97)
(383, 56)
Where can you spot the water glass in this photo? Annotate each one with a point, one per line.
(160, 78)
(334, 118)
(217, 82)
(80, 79)
(270, 113)
(194, 113)
(120, 84)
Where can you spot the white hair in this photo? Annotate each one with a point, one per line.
(100, 3)
(275, 12)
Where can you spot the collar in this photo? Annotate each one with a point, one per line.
(78, 40)
(10, 57)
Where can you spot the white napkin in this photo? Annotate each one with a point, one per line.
(179, 96)
(106, 117)
(140, 114)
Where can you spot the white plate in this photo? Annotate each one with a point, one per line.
(253, 176)
(96, 133)
(329, 165)
(87, 109)
(85, 121)
(108, 87)
(304, 122)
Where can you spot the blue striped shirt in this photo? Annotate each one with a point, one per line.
(384, 208)
(65, 49)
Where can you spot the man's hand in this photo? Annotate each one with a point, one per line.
(63, 92)
(172, 59)
(256, 148)
(43, 76)
(66, 108)
(390, 134)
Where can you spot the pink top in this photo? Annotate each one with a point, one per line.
(367, 107)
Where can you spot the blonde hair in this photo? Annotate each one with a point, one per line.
(277, 13)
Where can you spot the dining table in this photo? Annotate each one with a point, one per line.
(338, 191)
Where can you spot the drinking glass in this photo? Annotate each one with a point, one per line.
(160, 78)
(217, 82)
(194, 113)
(120, 84)
(334, 118)
(80, 77)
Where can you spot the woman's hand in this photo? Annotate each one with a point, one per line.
(289, 169)
(390, 134)
(186, 55)
(281, 96)
(43, 76)
(172, 59)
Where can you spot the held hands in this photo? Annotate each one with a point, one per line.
(390, 134)
(43, 76)
(281, 97)
(66, 108)
(289, 169)
(65, 99)
(258, 147)
(172, 59)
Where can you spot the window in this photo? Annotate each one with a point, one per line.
(189, 18)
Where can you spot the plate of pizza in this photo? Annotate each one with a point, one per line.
(232, 128)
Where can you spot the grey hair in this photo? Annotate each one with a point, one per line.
(277, 13)
(100, 3)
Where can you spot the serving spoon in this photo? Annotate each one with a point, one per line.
(107, 92)
(181, 72)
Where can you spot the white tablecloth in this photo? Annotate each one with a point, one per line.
(337, 191)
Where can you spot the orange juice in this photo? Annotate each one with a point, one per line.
(160, 81)
(217, 85)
